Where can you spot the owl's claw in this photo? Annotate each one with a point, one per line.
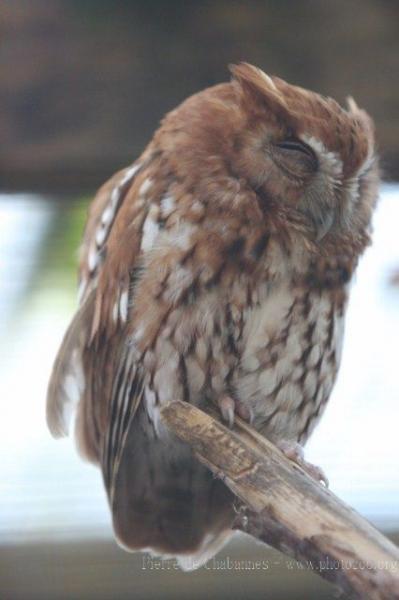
(230, 407)
(294, 452)
(227, 406)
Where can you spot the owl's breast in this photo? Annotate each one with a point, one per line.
(291, 350)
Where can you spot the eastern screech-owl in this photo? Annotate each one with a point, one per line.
(214, 269)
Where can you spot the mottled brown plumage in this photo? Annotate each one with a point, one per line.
(215, 269)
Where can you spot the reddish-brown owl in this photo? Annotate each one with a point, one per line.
(214, 269)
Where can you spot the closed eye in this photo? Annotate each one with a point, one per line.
(296, 145)
(295, 157)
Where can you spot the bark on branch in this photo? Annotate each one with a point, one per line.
(283, 507)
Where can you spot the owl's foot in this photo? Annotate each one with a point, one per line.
(294, 452)
(230, 407)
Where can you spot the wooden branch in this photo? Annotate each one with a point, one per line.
(283, 507)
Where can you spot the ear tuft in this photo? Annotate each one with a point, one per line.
(259, 87)
(352, 106)
(362, 116)
(247, 74)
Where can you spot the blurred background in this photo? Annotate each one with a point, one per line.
(83, 85)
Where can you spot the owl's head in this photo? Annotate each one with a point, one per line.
(294, 148)
(306, 151)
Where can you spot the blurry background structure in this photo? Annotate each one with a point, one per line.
(84, 82)
(83, 85)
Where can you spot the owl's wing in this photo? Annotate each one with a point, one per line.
(103, 212)
(94, 373)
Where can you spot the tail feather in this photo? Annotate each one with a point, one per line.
(166, 502)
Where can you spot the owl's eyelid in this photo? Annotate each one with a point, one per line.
(293, 144)
(296, 145)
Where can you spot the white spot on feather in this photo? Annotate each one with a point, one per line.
(145, 186)
(107, 215)
(150, 232)
(130, 173)
(168, 205)
(115, 311)
(73, 387)
(152, 408)
(92, 259)
(123, 305)
(115, 195)
(100, 236)
(109, 212)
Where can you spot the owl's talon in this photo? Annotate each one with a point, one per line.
(244, 412)
(227, 409)
(294, 452)
(230, 407)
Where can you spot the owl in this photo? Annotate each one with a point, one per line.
(214, 270)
